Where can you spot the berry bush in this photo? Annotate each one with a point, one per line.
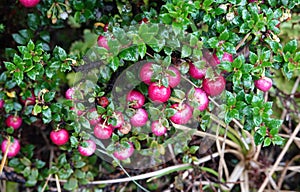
(102, 95)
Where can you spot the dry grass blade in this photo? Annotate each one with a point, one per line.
(281, 155)
(57, 183)
(5, 155)
(235, 175)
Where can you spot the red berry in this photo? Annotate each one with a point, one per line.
(135, 99)
(214, 87)
(103, 131)
(159, 93)
(195, 72)
(89, 149)
(183, 115)
(1, 103)
(201, 98)
(146, 73)
(13, 121)
(105, 28)
(94, 117)
(29, 100)
(144, 20)
(264, 84)
(120, 119)
(140, 118)
(226, 57)
(102, 42)
(29, 3)
(59, 137)
(103, 101)
(157, 128)
(174, 80)
(123, 153)
(14, 147)
(70, 93)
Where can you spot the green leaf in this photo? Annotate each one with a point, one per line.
(267, 141)
(60, 53)
(19, 39)
(18, 77)
(186, 51)
(30, 46)
(224, 35)
(71, 184)
(47, 116)
(291, 46)
(9, 66)
(169, 112)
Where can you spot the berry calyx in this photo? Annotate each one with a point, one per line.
(13, 121)
(120, 119)
(29, 3)
(135, 99)
(264, 84)
(214, 87)
(140, 118)
(102, 42)
(59, 137)
(103, 131)
(146, 73)
(14, 147)
(157, 128)
(159, 93)
(195, 72)
(123, 152)
(89, 149)
(174, 80)
(183, 115)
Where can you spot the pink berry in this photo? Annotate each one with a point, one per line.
(214, 87)
(183, 115)
(201, 98)
(94, 117)
(103, 131)
(157, 128)
(1, 103)
(102, 42)
(140, 118)
(264, 84)
(14, 147)
(226, 57)
(195, 72)
(135, 99)
(89, 149)
(70, 93)
(146, 73)
(174, 80)
(120, 119)
(29, 3)
(59, 137)
(78, 112)
(13, 121)
(159, 93)
(123, 153)
(105, 28)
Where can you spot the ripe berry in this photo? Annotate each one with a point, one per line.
(120, 119)
(201, 98)
(89, 149)
(93, 117)
(195, 72)
(105, 28)
(102, 42)
(103, 101)
(29, 3)
(14, 147)
(125, 129)
(183, 115)
(1, 103)
(140, 118)
(29, 100)
(157, 128)
(59, 137)
(103, 131)
(146, 73)
(214, 87)
(264, 84)
(13, 121)
(123, 153)
(174, 80)
(226, 57)
(144, 20)
(135, 99)
(70, 93)
(159, 93)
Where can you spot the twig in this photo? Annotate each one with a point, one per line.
(5, 155)
(281, 155)
(242, 42)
